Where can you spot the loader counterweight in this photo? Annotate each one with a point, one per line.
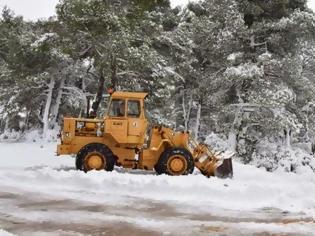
(120, 139)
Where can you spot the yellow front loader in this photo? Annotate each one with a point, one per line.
(122, 139)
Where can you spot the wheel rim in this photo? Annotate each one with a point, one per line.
(177, 165)
(94, 161)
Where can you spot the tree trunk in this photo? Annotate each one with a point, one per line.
(184, 108)
(47, 107)
(288, 137)
(233, 136)
(26, 121)
(7, 121)
(88, 107)
(113, 69)
(198, 121)
(99, 96)
(232, 141)
(1, 126)
(55, 110)
(86, 101)
(186, 112)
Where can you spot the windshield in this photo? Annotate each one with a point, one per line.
(134, 108)
(117, 108)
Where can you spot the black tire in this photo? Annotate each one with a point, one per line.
(99, 148)
(162, 166)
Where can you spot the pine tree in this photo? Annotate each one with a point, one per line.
(117, 37)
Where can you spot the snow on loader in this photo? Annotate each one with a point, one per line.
(120, 139)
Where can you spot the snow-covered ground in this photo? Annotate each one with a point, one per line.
(43, 194)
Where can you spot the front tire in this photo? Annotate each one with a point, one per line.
(175, 161)
(95, 156)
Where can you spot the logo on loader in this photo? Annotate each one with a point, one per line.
(117, 123)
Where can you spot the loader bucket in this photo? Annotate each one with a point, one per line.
(225, 170)
(218, 165)
(211, 163)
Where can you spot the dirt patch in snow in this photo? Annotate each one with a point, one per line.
(31, 204)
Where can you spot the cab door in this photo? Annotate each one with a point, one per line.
(137, 123)
(116, 122)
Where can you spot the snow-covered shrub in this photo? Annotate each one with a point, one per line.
(10, 136)
(276, 157)
(271, 154)
(36, 135)
(217, 142)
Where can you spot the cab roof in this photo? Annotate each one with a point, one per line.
(137, 95)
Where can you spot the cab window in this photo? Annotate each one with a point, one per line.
(117, 108)
(133, 109)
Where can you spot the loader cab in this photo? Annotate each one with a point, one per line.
(125, 120)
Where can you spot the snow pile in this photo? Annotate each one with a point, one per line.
(19, 156)
(251, 189)
(32, 168)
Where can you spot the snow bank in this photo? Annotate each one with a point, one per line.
(32, 168)
(19, 156)
(249, 190)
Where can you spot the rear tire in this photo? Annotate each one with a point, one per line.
(175, 161)
(95, 156)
